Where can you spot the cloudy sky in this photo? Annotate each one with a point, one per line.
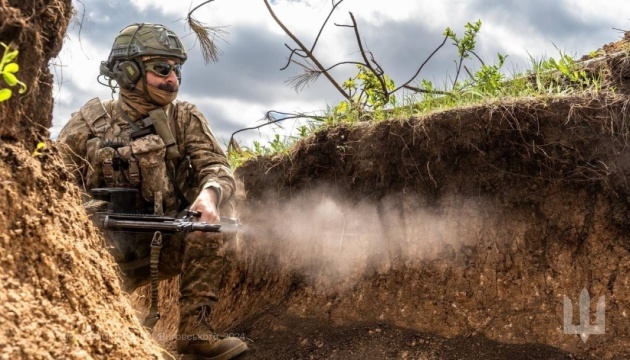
(247, 82)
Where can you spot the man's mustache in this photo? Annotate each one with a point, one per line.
(168, 87)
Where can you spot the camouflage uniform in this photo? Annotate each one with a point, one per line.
(99, 152)
(202, 160)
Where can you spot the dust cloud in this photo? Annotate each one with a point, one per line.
(330, 240)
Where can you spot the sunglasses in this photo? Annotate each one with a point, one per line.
(162, 68)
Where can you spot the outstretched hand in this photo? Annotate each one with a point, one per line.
(206, 204)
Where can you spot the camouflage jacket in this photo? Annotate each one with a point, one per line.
(99, 152)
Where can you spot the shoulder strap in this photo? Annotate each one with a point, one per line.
(172, 113)
(97, 118)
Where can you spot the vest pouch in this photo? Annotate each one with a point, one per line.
(149, 151)
(110, 166)
(131, 170)
(94, 171)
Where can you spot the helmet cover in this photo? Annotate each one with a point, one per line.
(144, 39)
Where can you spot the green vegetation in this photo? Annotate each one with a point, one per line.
(372, 96)
(8, 69)
(39, 149)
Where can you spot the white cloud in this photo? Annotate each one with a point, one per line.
(610, 11)
(504, 30)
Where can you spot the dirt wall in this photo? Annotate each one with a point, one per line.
(470, 225)
(59, 291)
(470, 221)
(60, 295)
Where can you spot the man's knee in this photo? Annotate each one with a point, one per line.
(203, 245)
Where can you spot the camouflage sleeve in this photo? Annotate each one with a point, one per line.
(73, 144)
(207, 157)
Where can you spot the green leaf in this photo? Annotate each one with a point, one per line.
(10, 79)
(12, 68)
(5, 94)
(10, 56)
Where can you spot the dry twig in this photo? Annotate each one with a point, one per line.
(206, 35)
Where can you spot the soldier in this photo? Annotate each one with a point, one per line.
(180, 163)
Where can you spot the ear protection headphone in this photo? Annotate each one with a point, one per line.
(126, 73)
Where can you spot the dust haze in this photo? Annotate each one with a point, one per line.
(333, 241)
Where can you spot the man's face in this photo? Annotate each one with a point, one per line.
(163, 72)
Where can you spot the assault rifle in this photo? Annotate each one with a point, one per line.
(119, 216)
(165, 224)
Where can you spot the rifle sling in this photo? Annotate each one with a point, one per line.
(154, 313)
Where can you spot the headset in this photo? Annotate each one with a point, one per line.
(126, 73)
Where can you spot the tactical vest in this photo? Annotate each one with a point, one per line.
(120, 159)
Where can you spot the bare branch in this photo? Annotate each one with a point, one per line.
(357, 98)
(459, 69)
(198, 6)
(367, 62)
(324, 24)
(478, 58)
(271, 120)
(425, 91)
(379, 69)
(344, 63)
(405, 85)
(306, 52)
(80, 23)
(293, 51)
(364, 104)
(468, 72)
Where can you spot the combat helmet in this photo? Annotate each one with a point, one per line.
(146, 40)
(139, 40)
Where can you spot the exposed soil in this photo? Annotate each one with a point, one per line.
(451, 236)
(36, 29)
(311, 338)
(60, 297)
(59, 293)
(471, 221)
(481, 224)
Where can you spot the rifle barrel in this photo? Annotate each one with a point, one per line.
(164, 226)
